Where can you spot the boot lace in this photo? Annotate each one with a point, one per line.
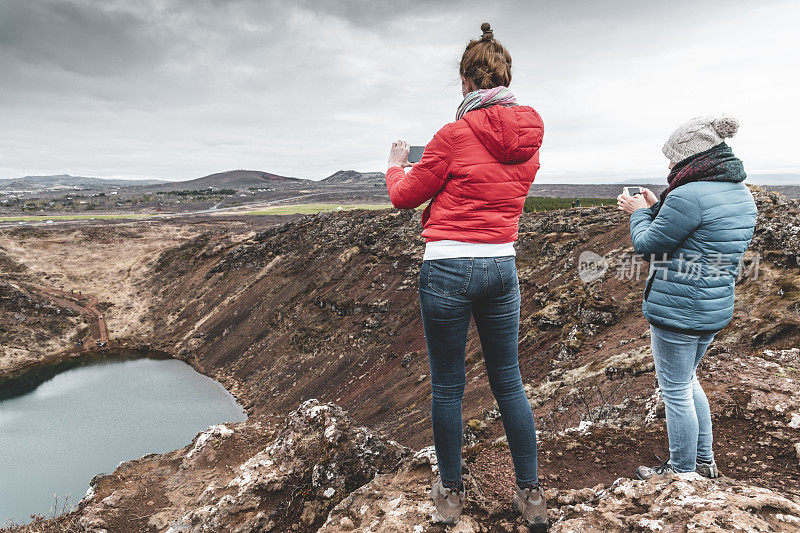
(665, 466)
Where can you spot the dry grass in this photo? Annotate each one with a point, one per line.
(104, 263)
(58, 520)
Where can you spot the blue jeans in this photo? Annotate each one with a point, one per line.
(676, 357)
(487, 288)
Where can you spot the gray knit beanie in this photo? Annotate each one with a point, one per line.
(698, 135)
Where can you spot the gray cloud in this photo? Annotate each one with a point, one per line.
(93, 40)
(180, 88)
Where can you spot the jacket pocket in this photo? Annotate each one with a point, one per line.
(450, 277)
(426, 213)
(649, 286)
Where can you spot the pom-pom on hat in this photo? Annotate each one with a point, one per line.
(698, 135)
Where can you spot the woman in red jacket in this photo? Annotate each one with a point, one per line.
(476, 172)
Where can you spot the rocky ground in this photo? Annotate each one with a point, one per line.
(325, 308)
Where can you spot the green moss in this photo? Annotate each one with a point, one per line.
(471, 453)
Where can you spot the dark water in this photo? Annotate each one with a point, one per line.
(87, 420)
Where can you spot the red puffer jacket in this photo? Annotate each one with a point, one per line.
(482, 167)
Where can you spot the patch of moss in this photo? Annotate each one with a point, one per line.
(471, 453)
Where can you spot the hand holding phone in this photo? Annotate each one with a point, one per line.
(398, 155)
(646, 193)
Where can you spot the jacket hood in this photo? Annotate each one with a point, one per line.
(511, 134)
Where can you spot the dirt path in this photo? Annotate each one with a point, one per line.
(98, 326)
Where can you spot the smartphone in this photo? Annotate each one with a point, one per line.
(632, 191)
(415, 153)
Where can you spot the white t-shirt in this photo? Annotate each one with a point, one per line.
(448, 249)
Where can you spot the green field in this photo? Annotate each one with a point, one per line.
(305, 209)
(537, 204)
(43, 218)
(296, 209)
(532, 204)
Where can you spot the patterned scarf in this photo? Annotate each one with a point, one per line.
(715, 164)
(486, 98)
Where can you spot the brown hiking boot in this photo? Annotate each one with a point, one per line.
(533, 507)
(449, 503)
(708, 470)
(662, 470)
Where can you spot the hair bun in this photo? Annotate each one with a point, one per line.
(725, 126)
(488, 34)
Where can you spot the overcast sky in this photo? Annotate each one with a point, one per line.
(179, 89)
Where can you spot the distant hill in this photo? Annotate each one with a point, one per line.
(757, 179)
(234, 179)
(774, 179)
(66, 182)
(642, 181)
(585, 190)
(352, 176)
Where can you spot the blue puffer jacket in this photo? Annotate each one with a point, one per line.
(695, 243)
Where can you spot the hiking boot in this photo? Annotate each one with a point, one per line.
(646, 472)
(708, 470)
(449, 503)
(531, 504)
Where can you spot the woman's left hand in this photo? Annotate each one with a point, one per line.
(398, 155)
(629, 204)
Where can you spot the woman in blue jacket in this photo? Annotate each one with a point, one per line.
(694, 237)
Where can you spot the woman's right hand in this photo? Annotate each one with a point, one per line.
(649, 197)
(629, 204)
(398, 155)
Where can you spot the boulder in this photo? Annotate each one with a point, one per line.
(676, 503)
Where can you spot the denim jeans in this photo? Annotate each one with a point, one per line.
(676, 357)
(486, 288)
